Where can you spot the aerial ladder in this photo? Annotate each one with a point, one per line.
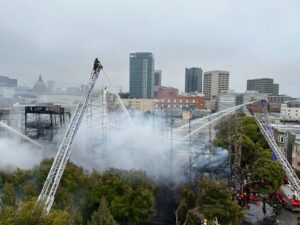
(46, 197)
(267, 132)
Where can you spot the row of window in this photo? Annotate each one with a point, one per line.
(178, 100)
(172, 106)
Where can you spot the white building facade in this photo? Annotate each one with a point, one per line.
(290, 111)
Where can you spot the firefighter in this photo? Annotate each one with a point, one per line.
(97, 65)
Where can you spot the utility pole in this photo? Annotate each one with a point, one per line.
(171, 149)
(190, 149)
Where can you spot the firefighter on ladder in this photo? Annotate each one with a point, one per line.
(97, 65)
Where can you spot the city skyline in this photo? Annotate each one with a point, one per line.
(61, 41)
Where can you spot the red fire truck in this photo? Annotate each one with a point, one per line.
(288, 198)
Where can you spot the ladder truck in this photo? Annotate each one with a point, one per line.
(46, 197)
(266, 130)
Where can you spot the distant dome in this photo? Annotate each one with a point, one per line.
(40, 87)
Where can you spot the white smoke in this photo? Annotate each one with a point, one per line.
(16, 154)
(137, 145)
(143, 143)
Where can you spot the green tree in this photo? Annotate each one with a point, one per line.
(9, 195)
(270, 171)
(210, 199)
(103, 216)
(29, 213)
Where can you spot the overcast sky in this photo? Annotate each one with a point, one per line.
(60, 39)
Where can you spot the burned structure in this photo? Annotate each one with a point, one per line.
(42, 121)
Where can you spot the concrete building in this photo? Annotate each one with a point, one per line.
(157, 81)
(142, 105)
(167, 92)
(157, 78)
(285, 140)
(193, 80)
(181, 102)
(213, 83)
(263, 85)
(141, 75)
(40, 87)
(296, 155)
(249, 96)
(8, 82)
(279, 98)
(275, 102)
(227, 99)
(290, 111)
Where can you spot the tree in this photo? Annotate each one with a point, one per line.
(9, 195)
(209, 199)
(103, 216)
(29, 213)
(264, 169)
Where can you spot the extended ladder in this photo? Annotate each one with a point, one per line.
(268, 135)
(47, 194)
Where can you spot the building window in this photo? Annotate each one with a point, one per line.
(281, 139)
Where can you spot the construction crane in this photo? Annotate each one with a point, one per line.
(47, 194)
(267, 132)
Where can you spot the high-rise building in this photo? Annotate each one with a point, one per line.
(8, 82)
(263, 85)
(157, 78)
(157, 82)
(214, 82)
(276, 89)
(193, 80)
(141, 75)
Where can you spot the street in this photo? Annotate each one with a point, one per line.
(288, 217)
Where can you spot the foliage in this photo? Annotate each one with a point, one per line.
(31, 214)
(129, 194)
(209, 199)
(269, 171)
(102, 216)
(255, 152)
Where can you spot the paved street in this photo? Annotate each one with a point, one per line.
(288, 217)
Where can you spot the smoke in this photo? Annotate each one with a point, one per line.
(107, 140)
(16, 154)
(125, 145)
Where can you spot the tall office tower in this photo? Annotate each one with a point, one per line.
(263, 85)
(214, 82)
(157, 78)
(193, 80)
(276, 89)
(157, 82)
(141, 75)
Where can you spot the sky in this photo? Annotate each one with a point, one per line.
(61, 38)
